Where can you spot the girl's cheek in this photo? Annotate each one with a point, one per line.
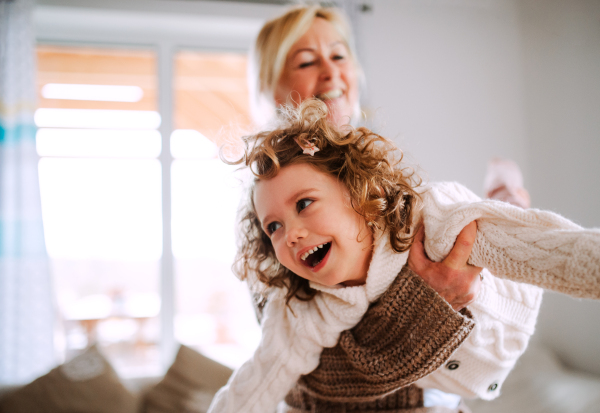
(280, 255)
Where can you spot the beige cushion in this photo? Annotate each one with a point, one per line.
(87, 383)
(189, 385)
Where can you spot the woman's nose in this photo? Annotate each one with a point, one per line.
(329, 69)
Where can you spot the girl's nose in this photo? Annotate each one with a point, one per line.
(294, 234)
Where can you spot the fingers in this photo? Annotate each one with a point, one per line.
(458, 257)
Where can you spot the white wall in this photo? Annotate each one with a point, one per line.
(444, 78)
(561, 61)
(456, 82)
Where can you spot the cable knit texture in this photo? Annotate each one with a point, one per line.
(525, 245)
(511, 241)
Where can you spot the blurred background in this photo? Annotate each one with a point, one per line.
(131, 170)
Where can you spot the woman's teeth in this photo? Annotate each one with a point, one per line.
(332, 94)
(307, 253)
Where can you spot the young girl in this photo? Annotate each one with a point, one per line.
(330, 218)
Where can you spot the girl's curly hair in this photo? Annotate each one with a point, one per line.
(381, 190)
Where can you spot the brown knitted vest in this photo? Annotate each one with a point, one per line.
(407, 334)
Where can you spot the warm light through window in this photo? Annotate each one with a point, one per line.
(96, 118)
(109, 93)
(98, 142)
(101, 177)
(102, 208)
(211, 106)
(100, 180)
(189, 143)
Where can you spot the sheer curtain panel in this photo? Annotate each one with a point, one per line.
(26, 306)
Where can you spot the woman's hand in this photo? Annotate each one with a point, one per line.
(455, 280)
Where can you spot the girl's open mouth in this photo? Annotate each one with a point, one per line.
(314, 257)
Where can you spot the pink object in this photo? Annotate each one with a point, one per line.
(504, 182)
(310, 150)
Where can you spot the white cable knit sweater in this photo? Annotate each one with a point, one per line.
(530, 246)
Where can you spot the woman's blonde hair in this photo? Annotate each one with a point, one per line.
(381, 189)
(274, 41)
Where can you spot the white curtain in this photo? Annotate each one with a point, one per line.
(26, 306)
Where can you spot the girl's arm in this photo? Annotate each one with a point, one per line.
(291, 345)
(530, 246)
(505, 314)
(557, 258)
(281, 357)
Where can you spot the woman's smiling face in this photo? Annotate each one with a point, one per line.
(319, 65)
(304, 210)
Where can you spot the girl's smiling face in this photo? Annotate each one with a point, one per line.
(304, 210)
(319, 65)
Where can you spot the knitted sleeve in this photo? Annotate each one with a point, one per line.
(259, 384)
(525, 245)
(291, 344)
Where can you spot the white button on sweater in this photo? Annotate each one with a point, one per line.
(530, 246)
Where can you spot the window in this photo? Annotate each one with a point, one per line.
(103, 199)
(213, 309)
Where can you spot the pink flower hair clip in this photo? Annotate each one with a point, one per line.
(309, 148)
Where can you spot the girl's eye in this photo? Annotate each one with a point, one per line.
(272, 227)
(302, 204)
(338, 57)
